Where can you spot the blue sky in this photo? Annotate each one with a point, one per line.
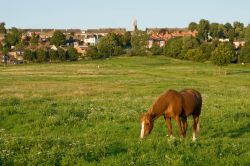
(86, 14)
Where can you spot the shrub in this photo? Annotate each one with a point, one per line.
(93, 53)
(195, 54)
(61, 54)
(207, 49)
(156, 50)
(174, 48)
(29, 55)
(53, 55)
(72, 53)
(41, 55)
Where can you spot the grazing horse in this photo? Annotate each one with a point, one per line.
(176, 105)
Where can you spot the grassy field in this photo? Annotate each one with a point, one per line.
(87, 113)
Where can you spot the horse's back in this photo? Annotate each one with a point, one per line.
(192, 101)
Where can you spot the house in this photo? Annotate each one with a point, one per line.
(238, 44)
(223, 40)
(53, 47)
(91, 40)
(105, 31)
(160, 36)
(81, 49)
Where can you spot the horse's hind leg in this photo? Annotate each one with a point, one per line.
(178, 121)
(196, 126)
(185, 125)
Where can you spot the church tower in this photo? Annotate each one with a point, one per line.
(134, 23)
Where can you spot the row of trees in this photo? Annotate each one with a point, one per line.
(14, 38)
(41, 55)
(110, 45)
(208, 31)
(191, 48)
(37, 54)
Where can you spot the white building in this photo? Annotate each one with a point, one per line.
(91, 40)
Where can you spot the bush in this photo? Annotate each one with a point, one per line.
(195, 54)
(207, 49)
(41, 55)
(118, 51)
(72, 53)
(53, 55)
(174, 48)
(62, 55)
(156, 50)
(93, 53)
(138, 52)
(29, 55)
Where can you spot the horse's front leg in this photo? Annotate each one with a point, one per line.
(170, 131)
(178, 121)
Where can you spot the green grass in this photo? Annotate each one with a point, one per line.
(79, 114)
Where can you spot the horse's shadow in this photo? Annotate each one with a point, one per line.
(239, 132)
(235, 133)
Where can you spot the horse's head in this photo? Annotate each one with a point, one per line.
(146, 125)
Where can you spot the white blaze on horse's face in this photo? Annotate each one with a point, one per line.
(142, 129)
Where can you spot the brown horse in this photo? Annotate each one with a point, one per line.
(176, 105)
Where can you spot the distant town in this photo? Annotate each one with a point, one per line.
(20, 45)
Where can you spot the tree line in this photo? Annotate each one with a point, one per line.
(205, 46)
(34, 50)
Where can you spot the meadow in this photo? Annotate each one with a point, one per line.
(87, 113)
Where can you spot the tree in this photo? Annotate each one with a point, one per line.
(20, 46)
(156, 50)
(189, 42)
(207, 49)
(214, 30)
(13, 37)
(2, 28)
(41, 55)
(223, 54)
(221, 31)
(195, 55)
(93, 53)
(139, 43)
(73, 55)
(174, 47)
(107, 45)
(28, 55)
(239, 29)
(203, 29)
(58, 38)
(244, 56)
(229, 32)
(61, 54)
(247, 34)
(34, 39)
(193, 26)
(127, 39)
